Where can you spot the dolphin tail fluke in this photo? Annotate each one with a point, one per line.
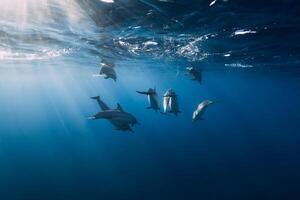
(101, 104)
(96, 98)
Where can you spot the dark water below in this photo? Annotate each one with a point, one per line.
(247, 147)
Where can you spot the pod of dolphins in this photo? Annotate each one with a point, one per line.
(124, 121)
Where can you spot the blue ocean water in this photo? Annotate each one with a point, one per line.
(247, 146)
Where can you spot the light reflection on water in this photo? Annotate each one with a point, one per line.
(49, 150)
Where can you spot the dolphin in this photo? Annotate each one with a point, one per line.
(107, 62)
(117, 115)
(170, 102)
(152, 99)
(198, 113)
(107, 70)
(122, 123)
(196, 74)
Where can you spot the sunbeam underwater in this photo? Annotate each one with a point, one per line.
(149, 99)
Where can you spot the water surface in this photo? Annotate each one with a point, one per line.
(246, 148)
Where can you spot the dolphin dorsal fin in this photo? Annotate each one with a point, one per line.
(154, 89)
(119, 107)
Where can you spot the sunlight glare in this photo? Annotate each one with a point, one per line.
(24, 12)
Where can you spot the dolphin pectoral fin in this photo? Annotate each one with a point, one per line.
(149, 107)
(106, 77)
(96, 97)
(145, 93)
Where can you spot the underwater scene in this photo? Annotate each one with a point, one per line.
(149, 99)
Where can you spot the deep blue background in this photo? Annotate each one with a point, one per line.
(246, 148)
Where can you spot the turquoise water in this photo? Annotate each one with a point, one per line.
(247, 146)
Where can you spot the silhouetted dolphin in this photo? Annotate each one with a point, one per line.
(198, 113)
(120, 119)
(196, 74)
(117, 115)
(171, 102)
(108, 71)
(152, 99)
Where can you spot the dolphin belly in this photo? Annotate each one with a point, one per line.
(166, 103)
(120, 126)
(124, 120)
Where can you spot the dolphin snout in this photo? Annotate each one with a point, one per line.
(91, 118)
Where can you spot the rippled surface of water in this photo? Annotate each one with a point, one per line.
(247, 146)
